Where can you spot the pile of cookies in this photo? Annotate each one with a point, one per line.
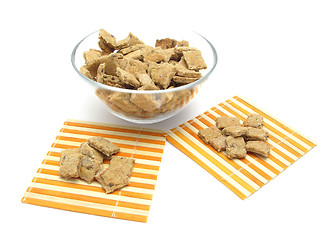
(237, 139)
(86, 163)
(131, 64)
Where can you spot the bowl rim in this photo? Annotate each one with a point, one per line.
(184, 87)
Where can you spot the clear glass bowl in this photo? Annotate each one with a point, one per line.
(166, 103)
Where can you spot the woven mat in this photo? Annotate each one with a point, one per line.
(243, 177)
(131, 202)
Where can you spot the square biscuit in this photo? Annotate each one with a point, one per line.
(169, 54)
(162, 74)
(69, 166)
(88, 168)
(105, 48)
(183, 43)
(127, 77)
(194, 60)
(117, 175)
(83, 70)
(103, 145)
(223, 122)
(129, 41)
(166, 43)
(122, 101)
(66, 152)
(219, 143)
(147, 102)
(235, 147)
(208, 134)
(254, 120)
(153, 54)
(133, 66)
(91, 55)
(137, 55)
(130, 49)
(182, 71)
(146, 82)
(256, 134)
(111, 63)
(91, 152)
(258, 147)
(235, 131)
(108, 38)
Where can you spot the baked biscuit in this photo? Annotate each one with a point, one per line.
(129, 41)
(256, 134)
(86, 72)
(166, 43)
(137, 55)
(258, 147)
(182, 43)
(153, 54)
(219, 143)
(133, 48)
(113, 81)
(235, 147)
(146, 82)
(69, 166)
(103, 145)
(91, 55)
(91, 152)
(223, 122)
(162, 74)
(182, 71)
(254, 120)
(147, 102)
(169, 54)
(235, 131)
(127, 77)
(117, 175)
(106, 49)
(194, 60)
(122, 102)
(88, 168)
(107, 41)
(111, 63)
(133, 66)
(66, 152)
(208, 134)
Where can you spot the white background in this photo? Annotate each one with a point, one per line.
(277, 54)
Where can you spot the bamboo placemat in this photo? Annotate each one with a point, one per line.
(132, 202)
(243, 177)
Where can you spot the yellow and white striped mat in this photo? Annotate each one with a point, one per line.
(243, 177)
(132, 202)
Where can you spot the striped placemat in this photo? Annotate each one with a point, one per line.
(132, 202)
(243, 177)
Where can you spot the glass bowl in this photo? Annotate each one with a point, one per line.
(166, 103)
